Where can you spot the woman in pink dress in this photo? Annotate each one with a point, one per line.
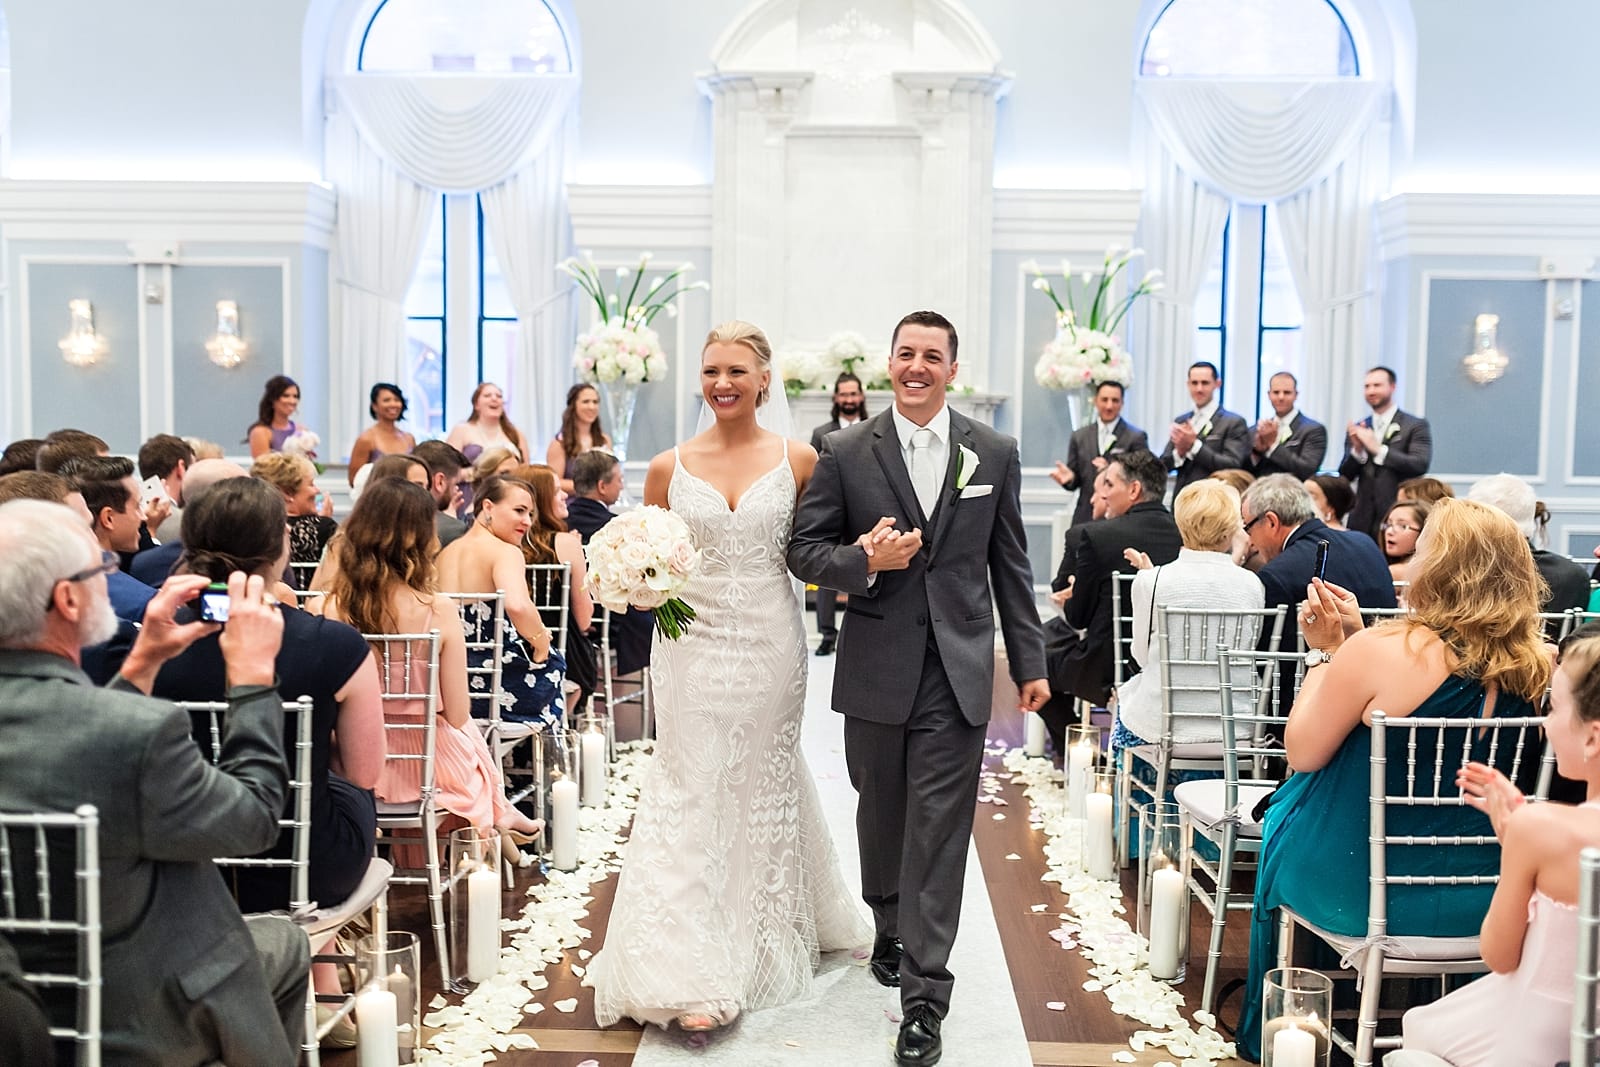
(1520, 1014)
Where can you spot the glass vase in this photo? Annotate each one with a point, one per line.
(1099, 826)
(474, 906)
(1079, 402)
(1081, 760)
(563, 767)
(1164, 888)
(619, 397)
(388, 1010)
(592, 759)
(1296, 1005)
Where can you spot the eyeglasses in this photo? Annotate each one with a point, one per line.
(1255, 520)
(1400, 526)
(108, 563)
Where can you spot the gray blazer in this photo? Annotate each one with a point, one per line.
(974, 556)
(183, 984)
(1301, 455)
(1084, 448)
(1225, 445)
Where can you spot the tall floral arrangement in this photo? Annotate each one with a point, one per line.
(621, 347)
(1086, 349)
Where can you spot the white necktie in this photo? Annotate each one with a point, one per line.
(1106, 438)
(923, 478)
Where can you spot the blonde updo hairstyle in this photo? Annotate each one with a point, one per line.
(738, 332)
(1207, 514)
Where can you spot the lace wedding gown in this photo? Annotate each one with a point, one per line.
(730, 887)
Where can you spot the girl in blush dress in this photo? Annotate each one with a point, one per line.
(1519, 1015)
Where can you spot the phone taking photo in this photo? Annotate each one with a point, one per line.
(212, 603)
(1322, 560)
(152, 489)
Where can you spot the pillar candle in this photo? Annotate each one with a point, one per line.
(483, 924)
(377, 1043)
(564, 813)
(399, 984)
(1097, 836)
(1034, 743)
(1294, 1047)
(593, 774)
(1080, 760)
(1166, 908)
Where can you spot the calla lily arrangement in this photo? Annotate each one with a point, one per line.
(1105, 312)
(636, 309)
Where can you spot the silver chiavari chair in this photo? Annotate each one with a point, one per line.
(1585, 1038)
(547, 585)
(43, 897)
(300, 575)
(611, 683)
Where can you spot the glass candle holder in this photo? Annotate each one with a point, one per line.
(1099, 846)
(1164, 887)
(1081, 760)
(1296, 1006)
(592, 772)
(475, 875)
(562, 764)
(388, 992)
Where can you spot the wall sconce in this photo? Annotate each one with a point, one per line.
(81, 347)
(1485, 363)
(226, 348)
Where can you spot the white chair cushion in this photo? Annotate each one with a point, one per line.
(408, 810)
(1428, 953)
(373, 884)
(1205, 803)
(1401, 1057)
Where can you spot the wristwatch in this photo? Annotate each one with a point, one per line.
(1317, 657)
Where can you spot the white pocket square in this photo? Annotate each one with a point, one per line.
(976, 490)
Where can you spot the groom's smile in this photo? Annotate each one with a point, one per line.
(920, 367)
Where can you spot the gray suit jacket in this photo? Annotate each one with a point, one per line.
(1301, 455)
(183, 984)
(1226, 445)
(1410, 452)
(974, 556)
(1082, 451)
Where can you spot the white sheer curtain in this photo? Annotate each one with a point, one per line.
(1317, 149)
(395, 142)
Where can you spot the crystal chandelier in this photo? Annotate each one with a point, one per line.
(226, 348)
(1485, 363)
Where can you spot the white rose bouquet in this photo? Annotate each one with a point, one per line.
(643, 559)
(304, 443)
(622, 348)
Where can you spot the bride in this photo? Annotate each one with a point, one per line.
(730, 888)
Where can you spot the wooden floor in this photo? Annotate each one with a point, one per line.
(1084, 1035)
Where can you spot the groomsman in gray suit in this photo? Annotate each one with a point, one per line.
(917, 515)
(849, 408)
(1094, 445)
(1381, 451)
(1287, 443)
(1209, 438)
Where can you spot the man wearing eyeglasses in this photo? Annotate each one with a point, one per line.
(186, 978)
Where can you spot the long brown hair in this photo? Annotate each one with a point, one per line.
(540, 544)
(505, 422)
(388, 540)
(569, 421)
(1477, 589)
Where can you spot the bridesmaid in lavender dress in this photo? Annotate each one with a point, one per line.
(387, 406)
(487, 426)
(275, 417)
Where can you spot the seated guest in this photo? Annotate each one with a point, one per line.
(310, 526)
(580, 432)
(24, 1027)
(387, 406)
(1400, 529)
(1522, 1012)
(1283, 528)
(493, 461)
(111, 493)
(597, 482)
(186, 979)
(385, 584)
(239, 525)
(1079, 647)
(488, 558)
(1425, 490)
(152, 565)
(404, 468)
(1331, 497)
(1235, 478)
(204, 449)
(549, 541)
(1471, 647)
(1203, 576)
(1061, 584)
(1567, 583)
(446, 467)
(61, 446)
(1240, 551)
(21, 455)
(37, 485)
(167, 458)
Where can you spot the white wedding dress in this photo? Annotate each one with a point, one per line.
(730, 887)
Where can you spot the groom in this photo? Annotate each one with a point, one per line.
(916, 514)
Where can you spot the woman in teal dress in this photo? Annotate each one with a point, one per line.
(1471, 647)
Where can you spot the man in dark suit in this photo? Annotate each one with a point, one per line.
(1381, 451)
(1289, 442)
(1094, 444)
(1568, 583)
(154, 564)
(849, 408)
(1209, 438)
(1283, 527)
(1080, 647)
(446, 476)
(917, 514)
(186, 978)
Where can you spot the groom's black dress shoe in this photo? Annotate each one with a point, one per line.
(886, 952)
(826, 645)
(919, 1044)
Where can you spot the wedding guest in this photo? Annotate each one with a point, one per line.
(1203, 576)
(1470, 647)
(487, 426)
(580, 432)
(493, 461)
(274, 416)
(1425, 489)
(1400, 530)
(1290, 442)
(1381, 451)
(20, 455)
(1093, 445)
(311, 523)
(62, 446)
(1234, 478)
(1567, 584)
(447, 469)
(37, 485)
(1241, 551)
(167, 458)
(1283, 528)
(1332, 498)
(24, 1027)
(387, 406)
(385, 583)
(204, 449)
(405, 468)
(849, 408)
(1210, 437)
(549, 541)
(152, 565)
(111, 493)
(597, 482)
(1522, 1011)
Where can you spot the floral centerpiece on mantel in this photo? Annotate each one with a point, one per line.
(620, 352)
(1086, 349)
(844, 352)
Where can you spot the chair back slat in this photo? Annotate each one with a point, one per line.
(1254, 714)
(548, 584)
(400, 659)
(483, 620)
(1122, 624)
(1187, 642)
(1585, 1040)
(43, 913)
(300, 575)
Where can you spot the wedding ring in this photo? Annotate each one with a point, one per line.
(269, 600)
(1310, 617)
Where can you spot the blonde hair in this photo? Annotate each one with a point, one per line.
(738, 332)
(284, 471)
(490, 461)
(1477, 589)
(204, 449)
(1240, 480)
(1207, 513)
(1580, 654)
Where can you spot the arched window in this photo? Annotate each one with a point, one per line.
(460, 319)
(1248, 313)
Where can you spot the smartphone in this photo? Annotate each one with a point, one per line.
(212, 604)
(1322, 560)
(152, 490)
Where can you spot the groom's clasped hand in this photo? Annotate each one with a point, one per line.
(889, 549)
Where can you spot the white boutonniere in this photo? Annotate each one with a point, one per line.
(1283, 433)
(966, 464)
(1204, 430)
(1391, 431)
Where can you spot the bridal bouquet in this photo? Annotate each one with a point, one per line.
(643, 559)
(622, 347)
(304, 443)
(1086, 350)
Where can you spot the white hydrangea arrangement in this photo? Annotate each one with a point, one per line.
(845, 351)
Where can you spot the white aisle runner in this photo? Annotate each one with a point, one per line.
(844, 1024)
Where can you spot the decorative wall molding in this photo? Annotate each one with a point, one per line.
(1067, 222)
(640, 216)
(1488, 224)
(170, 212)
